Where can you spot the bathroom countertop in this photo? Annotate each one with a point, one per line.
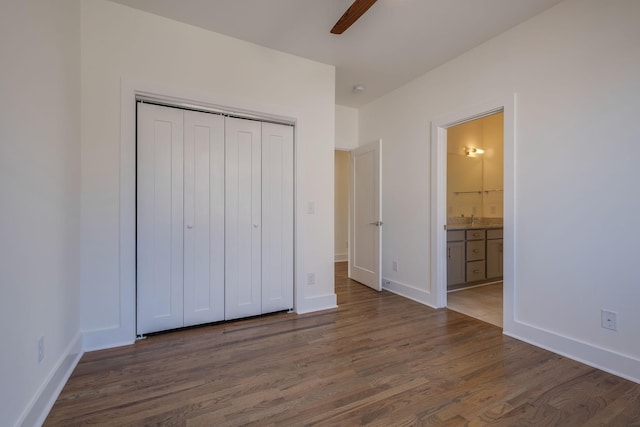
(472, 227)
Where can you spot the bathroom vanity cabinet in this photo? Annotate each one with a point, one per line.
(455, 258)
(494, 254)
(474, 256)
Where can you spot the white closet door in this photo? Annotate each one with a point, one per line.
(277, 217)
(159, 218)
(204, 218)
(242, 218)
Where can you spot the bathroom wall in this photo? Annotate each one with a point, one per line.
(475, 183)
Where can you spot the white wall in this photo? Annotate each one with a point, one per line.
(40, 199)
(575, 71)
(346, 127)
(144, 51)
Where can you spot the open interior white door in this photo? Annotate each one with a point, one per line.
(365, 222)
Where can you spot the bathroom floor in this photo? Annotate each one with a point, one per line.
(483, 303)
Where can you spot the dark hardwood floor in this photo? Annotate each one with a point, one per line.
(378, 359)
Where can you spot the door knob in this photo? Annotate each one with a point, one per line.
(189, 226)
(377, 223)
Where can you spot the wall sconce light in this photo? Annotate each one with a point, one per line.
(472, 152)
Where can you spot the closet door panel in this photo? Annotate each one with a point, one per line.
(159, 218)
(277, 217)
(204, 218)
(242, 218)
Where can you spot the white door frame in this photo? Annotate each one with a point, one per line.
(439, 127)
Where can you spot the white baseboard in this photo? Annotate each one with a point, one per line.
(322, 302)
(604, 359)
(341, 257)
(407, 291)
(107, 338)
(601, 358)
(105, 346)
(42, 402)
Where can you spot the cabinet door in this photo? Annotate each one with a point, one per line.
(159, 218)
(204, 218)
(494, 258)
(277, 217)
(455, 263)
(243, 247)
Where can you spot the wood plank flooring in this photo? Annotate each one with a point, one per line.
(482, 302)
(379, 359)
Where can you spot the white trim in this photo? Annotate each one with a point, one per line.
(317, 303)
(95, 344)
(407, 291)
(341, 257)
(600, 358)
(206, 107)
(41, 403)
(125, 330)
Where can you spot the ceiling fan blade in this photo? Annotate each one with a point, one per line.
(355, 11)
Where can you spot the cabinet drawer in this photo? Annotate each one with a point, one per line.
(475, 271)
(494, 233)
(475, 234)
(475, 250)
(455, 236)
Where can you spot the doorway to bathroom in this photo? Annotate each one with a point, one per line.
(474, 217)
(439, 230)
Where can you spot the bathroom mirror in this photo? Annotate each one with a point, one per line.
(475, 168)
(464, 185)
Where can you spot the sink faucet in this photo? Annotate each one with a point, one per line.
(473, 219)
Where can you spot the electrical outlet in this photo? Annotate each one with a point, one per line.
(40, 349)
(609, 320)
(395, 265)
(311, 278)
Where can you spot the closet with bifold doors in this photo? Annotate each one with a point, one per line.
(214, 217)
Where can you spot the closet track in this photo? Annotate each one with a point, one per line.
(212, 109)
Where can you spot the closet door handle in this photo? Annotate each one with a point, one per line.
(189, 226)
(255, 225)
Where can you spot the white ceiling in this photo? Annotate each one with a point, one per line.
(393, 43)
